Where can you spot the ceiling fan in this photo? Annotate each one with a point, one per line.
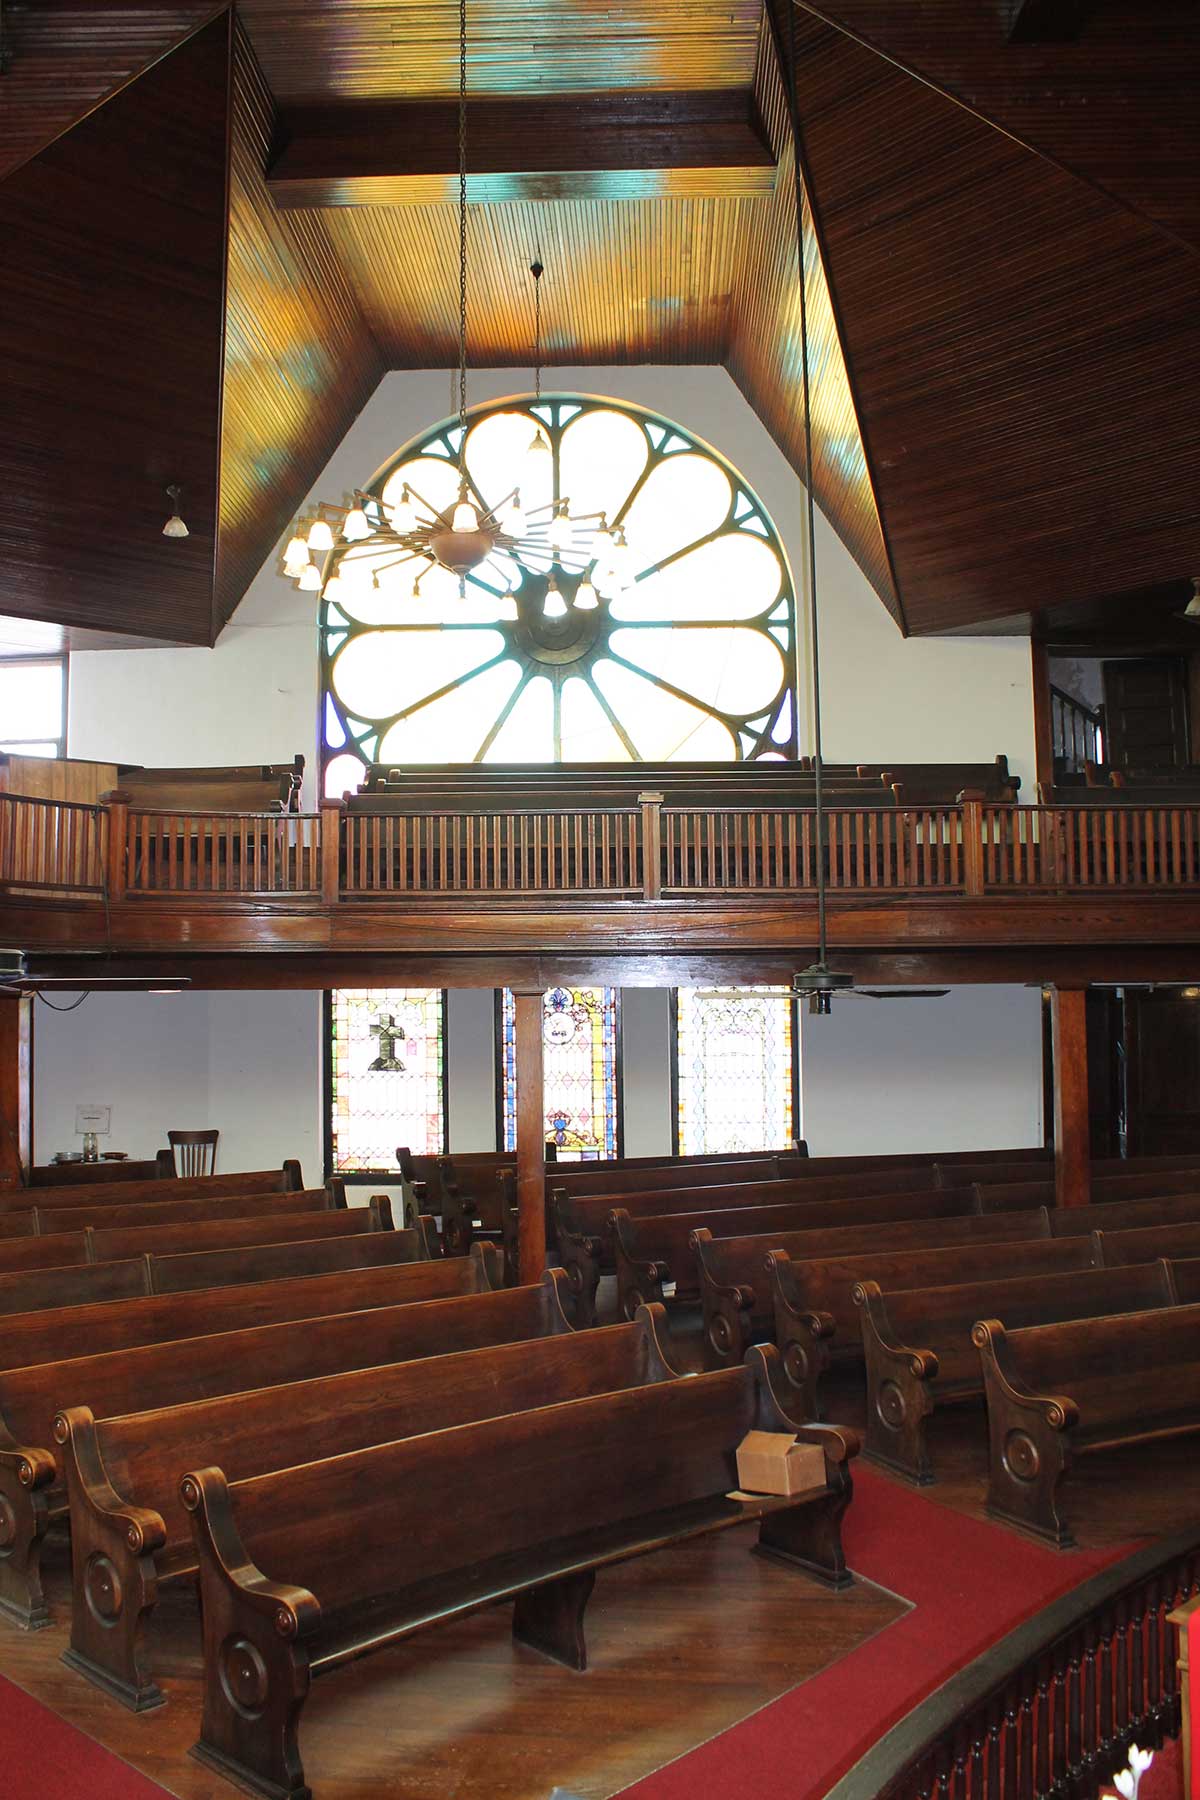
(15, 978)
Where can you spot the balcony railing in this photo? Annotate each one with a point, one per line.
(651, 852)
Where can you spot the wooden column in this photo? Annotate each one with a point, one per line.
(531, 1135)
(16, 1088)
(1072, 1149)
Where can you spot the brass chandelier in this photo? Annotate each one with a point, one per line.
(417, 536)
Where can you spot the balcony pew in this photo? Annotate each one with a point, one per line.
(285, 1180)
(583, 1238)
(1057, 1392)
(655, 1258)
(149, 1376)
(127, 1469)
(737, 1289)
(570, 1489)
(48, 1221)
(263, 787)
(229, 1234)
(919, 1354)
(98, 1174)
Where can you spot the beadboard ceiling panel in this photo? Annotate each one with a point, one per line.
(300, 360)
(111, 301)
(66, 59)
(1113, 102)
(1022, 350)
(312, 50)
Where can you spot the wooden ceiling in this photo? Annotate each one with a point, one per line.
(1001, 239)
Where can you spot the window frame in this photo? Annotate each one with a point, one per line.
(44, 659)
(797, 1120)
(618, 1066)
(365, 1177)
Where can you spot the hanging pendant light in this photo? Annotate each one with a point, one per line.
(553, 606)
(586, 598)
(175, 527)
(539, 443)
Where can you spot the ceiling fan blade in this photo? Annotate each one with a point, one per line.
(903, 993)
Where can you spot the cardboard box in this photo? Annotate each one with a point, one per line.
(772, 1462)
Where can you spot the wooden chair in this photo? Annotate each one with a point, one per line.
(194, 1152)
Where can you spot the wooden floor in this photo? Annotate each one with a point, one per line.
(461, 1714)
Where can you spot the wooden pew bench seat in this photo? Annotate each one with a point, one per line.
(306, 1569)
(1055, 1392)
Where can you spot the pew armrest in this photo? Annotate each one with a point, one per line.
(89, 1486)
(294, 1611)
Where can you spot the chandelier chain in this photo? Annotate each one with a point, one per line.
(462, 213)
(537, 337)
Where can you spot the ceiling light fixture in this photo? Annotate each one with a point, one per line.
(1191, 611)
(175, 527)
(460, 538)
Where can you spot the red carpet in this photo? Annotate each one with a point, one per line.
(970, 1582)
(1163, 1780)
(41, 1755)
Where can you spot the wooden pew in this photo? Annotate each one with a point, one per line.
(80, 1284)
(129, 1467)
(1125, 1215)
(580, 1230)
(286, 1180)
(1151, 1185)
(98, 1174)
(366, 1549)
(182, 1272)
(737, 1290)
(228, 1234)
(918, 1350)
(48, 1221)
(39, 1336)
(655, 1258)
(19, 1224)
(25, 1290)
(1138, 1244)
(148, 1376)
(1056, 1392)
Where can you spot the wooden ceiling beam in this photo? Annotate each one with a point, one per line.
(592, 146)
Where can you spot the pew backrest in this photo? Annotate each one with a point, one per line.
(226, 1234)
(181, 1272)
(166, 1212)
(147, 1318)
(26, 1290)
(149, 1376)
(287, 1179)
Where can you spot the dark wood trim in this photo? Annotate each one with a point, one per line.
(1072, 1144)
(1048, 21)
(16, 1089)
(531, 1132)
(1043, 721)
(535, 147)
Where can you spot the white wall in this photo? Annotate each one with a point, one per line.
(248, 1063)
(254, 697)
(646, 1053)
(962, 1073)
(471, 1068)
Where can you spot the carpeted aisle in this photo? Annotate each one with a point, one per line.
(969, 1582)
(42, 1755)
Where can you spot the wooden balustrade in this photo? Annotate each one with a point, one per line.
(222, 853)
(1052, 1709)
(649, 852)
(51, 844)
(493, 853)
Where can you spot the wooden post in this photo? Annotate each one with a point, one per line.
(531, 1135)
(331, 845)
(116, 851)
(651, 805)
(971, 807)
(1181, 1619)
(16, 1088)
(1072, 1149)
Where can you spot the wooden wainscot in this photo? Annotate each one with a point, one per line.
(369, 1548)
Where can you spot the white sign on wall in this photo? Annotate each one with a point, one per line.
(94, 1118)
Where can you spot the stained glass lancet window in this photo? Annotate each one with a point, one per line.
(694, 660)
(580, 1027)
(387, 1067)
(735, 1069)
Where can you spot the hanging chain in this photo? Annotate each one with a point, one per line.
(537, 331)
(463, 213)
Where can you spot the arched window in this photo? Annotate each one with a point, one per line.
(694, 660)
